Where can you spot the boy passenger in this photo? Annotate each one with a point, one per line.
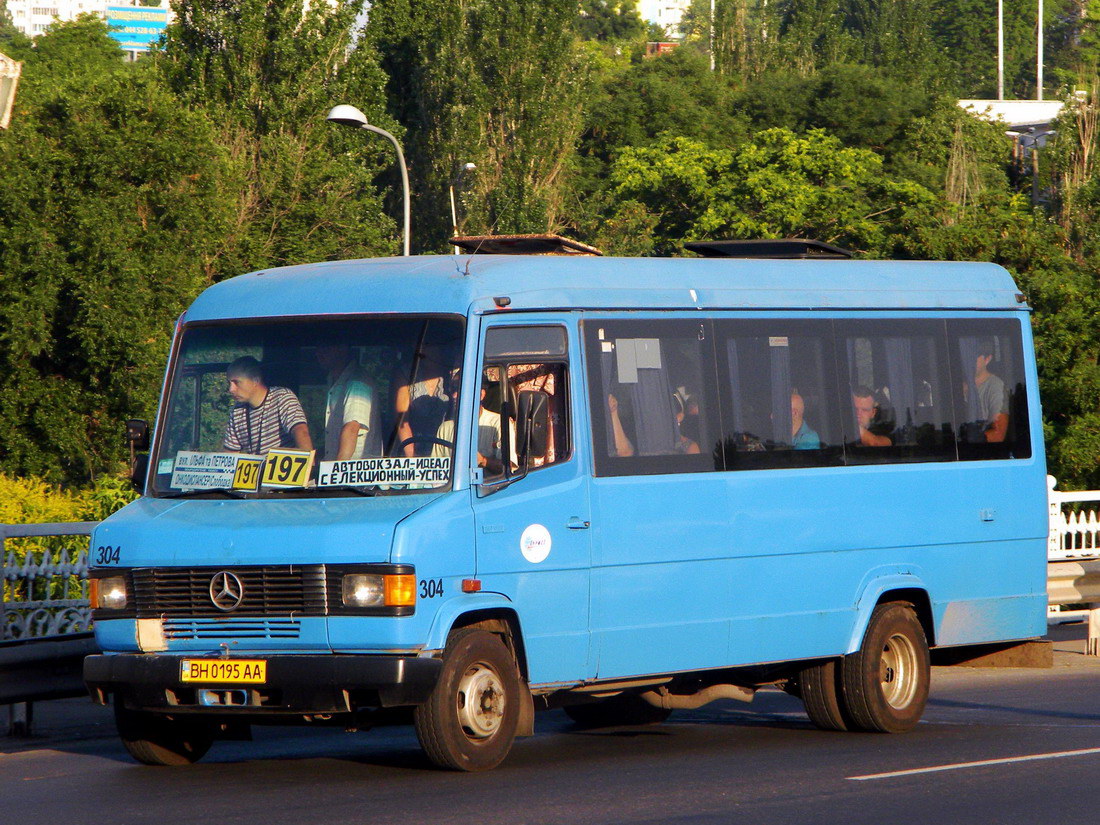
(874, 430)
(263, 418)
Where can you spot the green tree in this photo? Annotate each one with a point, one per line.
(966, 31)
(673, 93)
(777, 185)
(13, 42)
(112, 199)
(499, 83)
(269, 71)
(610, 20)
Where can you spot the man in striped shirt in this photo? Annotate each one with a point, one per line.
(263, 417)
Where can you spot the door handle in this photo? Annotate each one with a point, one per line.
(577, 523)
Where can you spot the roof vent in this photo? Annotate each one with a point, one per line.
(785, 248)
(522, 245)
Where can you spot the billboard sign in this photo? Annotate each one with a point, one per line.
(135, 28)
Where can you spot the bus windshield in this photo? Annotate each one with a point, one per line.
(310, 407)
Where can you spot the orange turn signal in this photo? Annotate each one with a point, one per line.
(400, 590)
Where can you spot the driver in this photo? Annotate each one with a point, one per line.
(264, 417)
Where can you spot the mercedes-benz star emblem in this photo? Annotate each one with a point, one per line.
(226, 591)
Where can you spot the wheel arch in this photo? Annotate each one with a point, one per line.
(894, 587)
(490, 611)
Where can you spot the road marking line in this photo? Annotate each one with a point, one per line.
(980, 764)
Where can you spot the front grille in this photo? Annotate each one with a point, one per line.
(238, 628)
(284, 590)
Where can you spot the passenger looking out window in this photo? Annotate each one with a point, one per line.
(874, 429)
(803, 437)
(992, 396)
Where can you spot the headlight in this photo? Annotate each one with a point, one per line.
(378, 590)
(364, 590)
(108, 593)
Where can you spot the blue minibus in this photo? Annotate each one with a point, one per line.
(476, 486)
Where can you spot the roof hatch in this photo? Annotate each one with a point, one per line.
(522, 245)
(779, 248)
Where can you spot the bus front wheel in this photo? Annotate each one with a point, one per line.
(469, 722)
(153, 739)
(885, 682)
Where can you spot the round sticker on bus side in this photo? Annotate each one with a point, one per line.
(535, 543)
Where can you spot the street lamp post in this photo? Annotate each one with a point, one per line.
(466, 167)
(350, 116)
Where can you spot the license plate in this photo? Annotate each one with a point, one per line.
(224, 671)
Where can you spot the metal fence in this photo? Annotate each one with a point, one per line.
(45, 582)
(45, 618)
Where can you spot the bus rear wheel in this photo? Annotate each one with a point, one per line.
(885, 682)
(820, 688)
(153, 739)
(469, 722)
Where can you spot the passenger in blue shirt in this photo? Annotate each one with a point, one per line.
(802, 436)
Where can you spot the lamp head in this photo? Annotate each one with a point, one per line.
(348, 116)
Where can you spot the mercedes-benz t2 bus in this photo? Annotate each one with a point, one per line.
(476, 486)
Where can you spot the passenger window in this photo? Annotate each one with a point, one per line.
(894, 391)
(780, 410)
(988, 389)
(652, 390)
(523, 408)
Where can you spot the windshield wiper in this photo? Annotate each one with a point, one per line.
(366, 492)
(213, 491)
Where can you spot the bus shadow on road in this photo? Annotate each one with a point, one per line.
(951, 704)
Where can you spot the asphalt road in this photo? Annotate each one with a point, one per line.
(1003, 746)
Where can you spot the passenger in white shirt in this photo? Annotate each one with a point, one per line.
(352, 428)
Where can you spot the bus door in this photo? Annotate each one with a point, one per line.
(532, 511)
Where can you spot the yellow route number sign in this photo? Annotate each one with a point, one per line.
(247, 474)
(287, 468)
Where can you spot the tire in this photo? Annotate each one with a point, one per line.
(624, 709)
(819, 686)
(469, 722)
(885, 682)
(153, 739)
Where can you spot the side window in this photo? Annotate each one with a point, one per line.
(895, 391)
(523, 409)
(989, 389)
(652, 391)
(779, 406)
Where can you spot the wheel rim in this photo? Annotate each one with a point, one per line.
(898, 671)
(480, 701)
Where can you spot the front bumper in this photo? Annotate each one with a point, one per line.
(305, 684)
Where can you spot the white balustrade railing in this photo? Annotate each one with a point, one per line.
(1074, 524)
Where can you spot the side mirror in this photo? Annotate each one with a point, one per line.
(139, 469)
(533, 425)
(137, 434)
